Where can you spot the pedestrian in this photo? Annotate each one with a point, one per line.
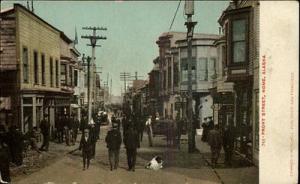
(148, 125)
(67, 128)
(228, 144)
(93, 135)
(125, 124)
(86, 146)
(83, 123)
(131, 141)
(75, 128)
(97, 125)
(45, 129)
(215, 142)
(179, 129)
(205, 130)
(16, 145)
(170, 133)
(4, 156)
(113, 140)
(60, 129)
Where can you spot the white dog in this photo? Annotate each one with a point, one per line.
(155, 164)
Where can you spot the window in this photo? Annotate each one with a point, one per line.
(202, 69)
(169, 76)
(212, 68)
(184, 69)
(175, 74)
(43, 69)
(184, 73)
(25, 65)
(36, 67)
(75, 77)
(51, 72)
(56, 73)
(239, 41)
(70, 81)
(63, 74)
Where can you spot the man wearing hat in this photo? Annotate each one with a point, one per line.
(45, 129)
(113, 140)
(86, 145)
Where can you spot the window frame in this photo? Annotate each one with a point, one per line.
(43, 69)
(36, 67)
(63, 82)
(25, 65)
(51, 71)
(241, 16)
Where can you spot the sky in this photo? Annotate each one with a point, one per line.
(132, 29)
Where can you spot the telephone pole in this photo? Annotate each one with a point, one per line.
(124, 76)
(93, 43)
(189, 11)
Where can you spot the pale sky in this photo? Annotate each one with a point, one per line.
(132, 29)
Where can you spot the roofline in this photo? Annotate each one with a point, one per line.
(33, 14)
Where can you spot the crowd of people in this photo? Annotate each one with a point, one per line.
(13, 142)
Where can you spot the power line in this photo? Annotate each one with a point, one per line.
(175, 15)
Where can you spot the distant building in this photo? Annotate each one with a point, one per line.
(172, 67)
(204, 62)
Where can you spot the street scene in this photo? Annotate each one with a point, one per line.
(130, 92)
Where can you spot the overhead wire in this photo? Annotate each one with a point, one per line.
(174, 16)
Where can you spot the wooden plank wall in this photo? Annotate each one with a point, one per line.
(8, 42)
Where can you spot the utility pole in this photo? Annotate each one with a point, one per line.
(93, 43)
(189, 11)
(88, 59)
(124, 76)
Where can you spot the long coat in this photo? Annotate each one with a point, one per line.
(131, 139)
(113, 139)
(215, 139)
(86, 146)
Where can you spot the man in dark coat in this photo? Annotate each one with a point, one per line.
(16, 145)
(45, 129)
(86, 145)
(228, 144)
(125, 124)
(93, 135)
(113, 140)
(83, 123)
(75, 128)
(4, 156)
(60, 129)
(131, 141)
(215, 142)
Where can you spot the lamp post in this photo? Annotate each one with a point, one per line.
(189, 11)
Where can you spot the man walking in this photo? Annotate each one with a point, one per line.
(45, 129)
(228, 144)
(179, 129)
(131, 141)
(113, 140)
(215, 142)
(75, 128)
(86, 145)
